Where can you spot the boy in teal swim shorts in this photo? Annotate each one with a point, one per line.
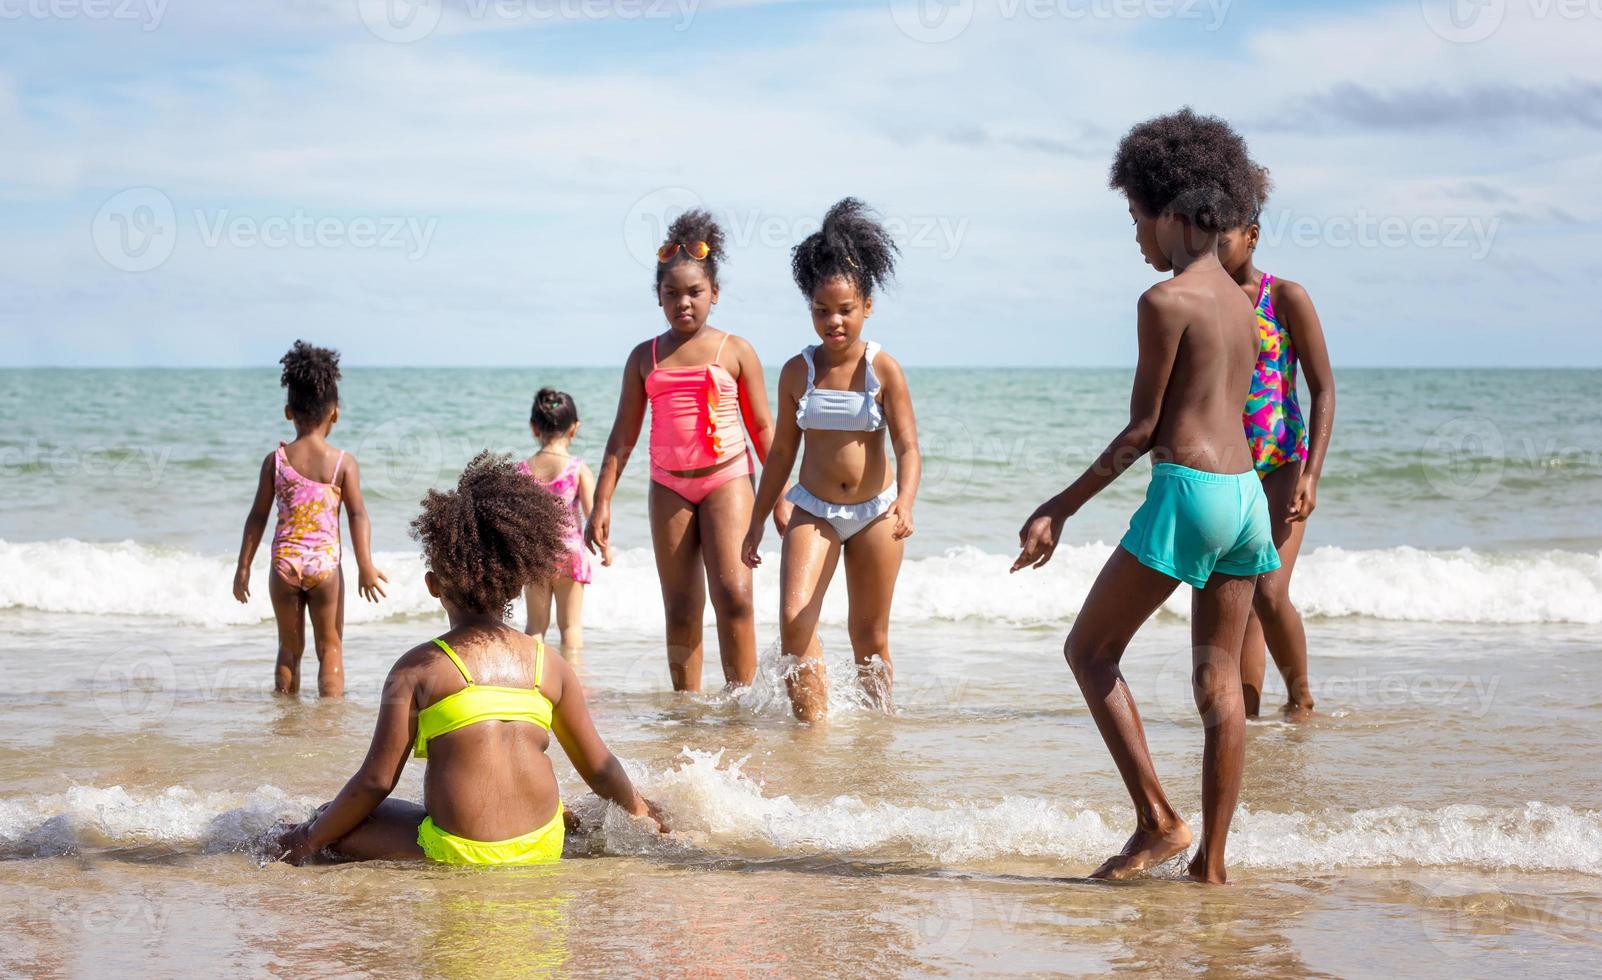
(1205, 519)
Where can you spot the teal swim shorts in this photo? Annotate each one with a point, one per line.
(1194, 524)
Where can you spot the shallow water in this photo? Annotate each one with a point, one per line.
(1440, 813)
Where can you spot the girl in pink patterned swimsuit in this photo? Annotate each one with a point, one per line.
(309, 480)
(554, 422)
(1287, 452)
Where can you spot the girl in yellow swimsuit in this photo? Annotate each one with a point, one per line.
(480, 703)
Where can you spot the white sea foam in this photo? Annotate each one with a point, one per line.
(719, 811)
(964, 584)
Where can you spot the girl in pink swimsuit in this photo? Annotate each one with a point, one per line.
(698, 382)
(309, 480)
(1287, 452)
(554, 421)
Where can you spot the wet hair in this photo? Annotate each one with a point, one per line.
(852, 243)
(495, 533)
(688, 228)
(311, 377)
(553, 413)
(1193, 166)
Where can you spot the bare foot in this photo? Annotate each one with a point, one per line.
(809, 689)
(1145, 850)
(1197, 871)
(1292, 711)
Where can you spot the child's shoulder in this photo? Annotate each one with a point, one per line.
(1286, 289)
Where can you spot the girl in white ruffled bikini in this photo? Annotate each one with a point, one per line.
(840, 399)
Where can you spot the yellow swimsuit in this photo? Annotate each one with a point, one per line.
(469, 706)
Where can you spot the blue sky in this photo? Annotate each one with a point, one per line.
(184, 182)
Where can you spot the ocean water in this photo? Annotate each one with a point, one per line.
(1443, 810)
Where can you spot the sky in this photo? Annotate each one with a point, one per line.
(483, 182)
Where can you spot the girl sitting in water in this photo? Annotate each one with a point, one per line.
(699, 382)
(554, 421)
(840, 398)
(309, 479)
(489, 793)
(1288, 462)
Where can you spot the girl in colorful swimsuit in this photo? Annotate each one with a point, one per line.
(1288, 462)
(490, 795)
(842, 400)
(554, 421)
(1204, 523)
(309, 480)
(699, 382)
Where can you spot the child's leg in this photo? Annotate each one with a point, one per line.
(289, 610)
(808, 556)
(676, 538)
(537, 596)
(1125, 595)
(1280, 622)
(725, 516)
(390, 834)
(570, 618)
(327, 604)
(872, 562)
(1218, 621)
(1253, 664)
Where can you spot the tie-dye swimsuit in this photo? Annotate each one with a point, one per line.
(306, 541)
(566, 489)
(1274, 424)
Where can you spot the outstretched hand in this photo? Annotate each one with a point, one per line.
(1039, 536)
(367, 586)
(294, 844)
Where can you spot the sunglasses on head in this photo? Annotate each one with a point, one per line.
(695, 250)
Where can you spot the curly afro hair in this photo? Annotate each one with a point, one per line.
(1262, 186)
(1193, 166)
(852, 243)
(554, 412)
(495, 533)
(693, 226)
(311, 376)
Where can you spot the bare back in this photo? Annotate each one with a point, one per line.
(1200, 425)
(490, 780)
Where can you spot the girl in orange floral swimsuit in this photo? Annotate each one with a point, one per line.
(306, 555)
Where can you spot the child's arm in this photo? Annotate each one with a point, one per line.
(758, 419)
(595, 763)
(754, 399)
(1307, 338)
(619, 444)
(361, 532)
(587, 503)
(786, 444)
(1160, 323)
(255, 527)
(903, 426)
(393, 737)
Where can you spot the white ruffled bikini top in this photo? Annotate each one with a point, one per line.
(836, 409)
